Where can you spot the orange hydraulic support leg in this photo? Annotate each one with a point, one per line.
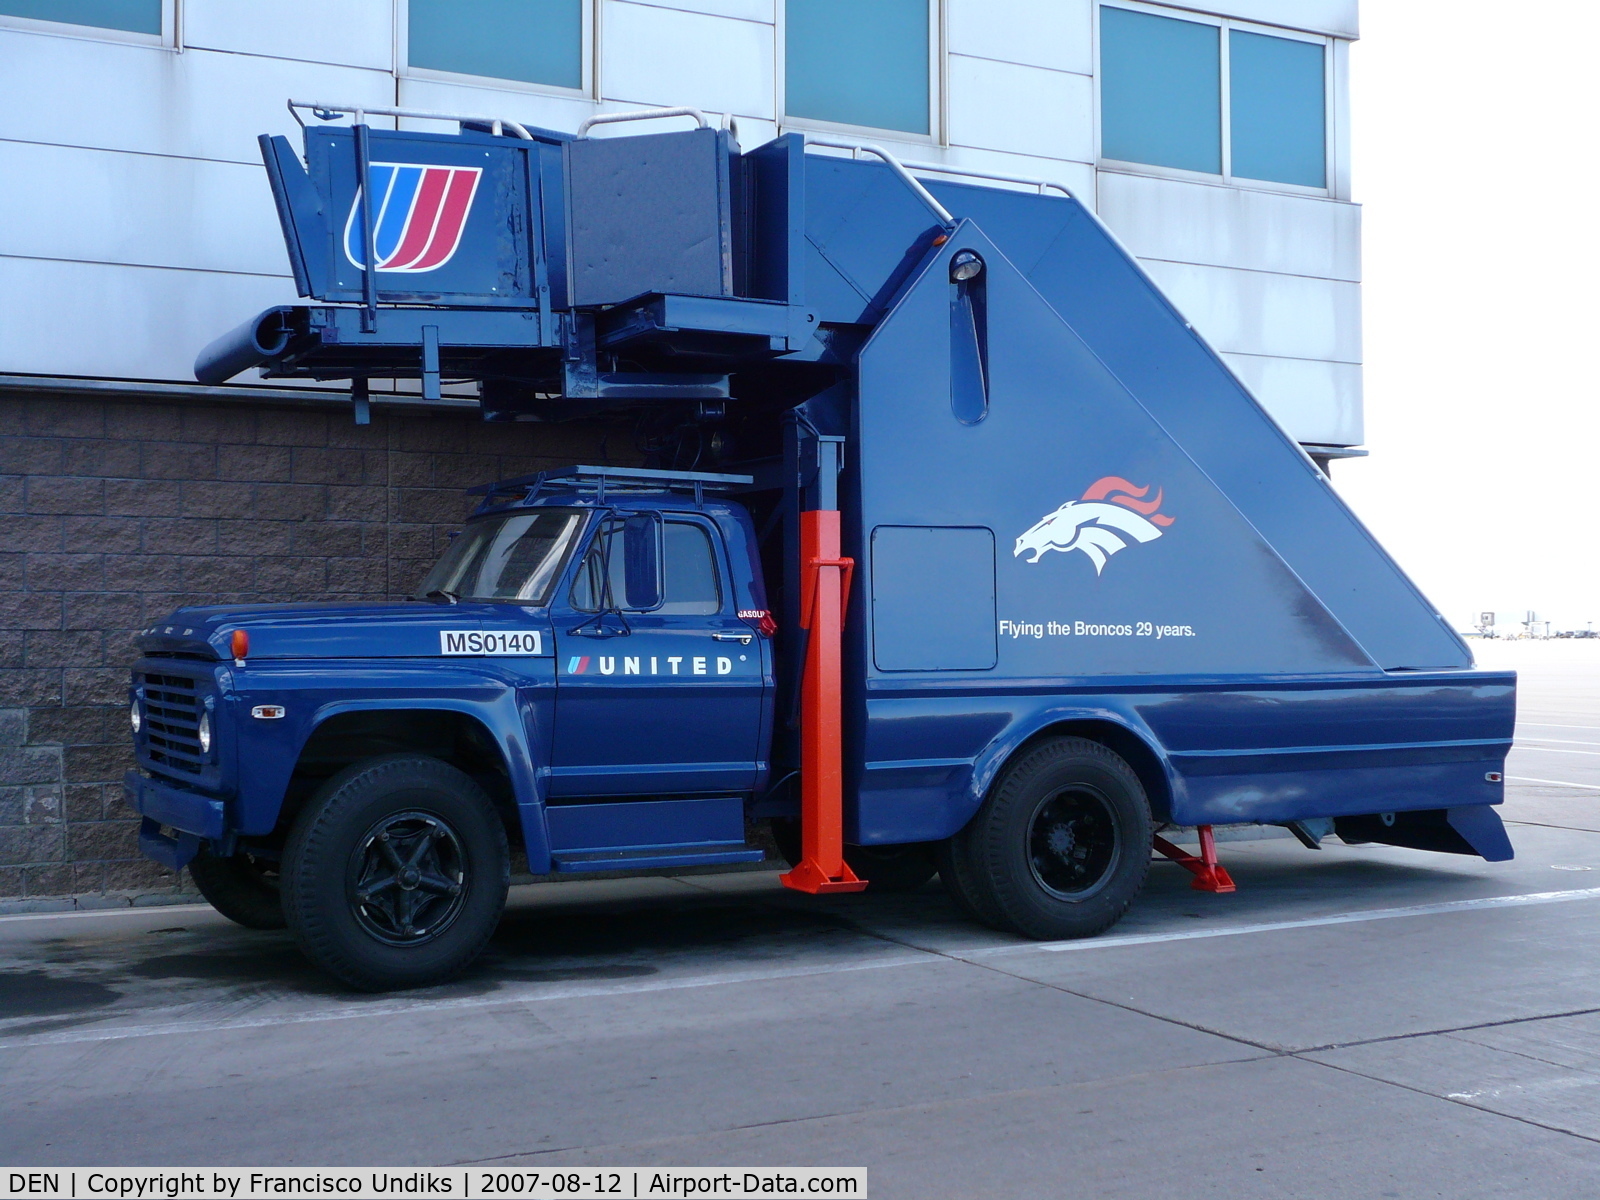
(824, 593)
(1209, 874)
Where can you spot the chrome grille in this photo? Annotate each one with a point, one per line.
(172, 708)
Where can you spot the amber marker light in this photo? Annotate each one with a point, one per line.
(241, 647)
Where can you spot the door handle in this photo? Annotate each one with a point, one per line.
(743, 639)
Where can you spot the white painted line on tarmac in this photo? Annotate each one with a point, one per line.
(1587, 787)
(1353, 918)
(1553, 750)
(120, 911)
(1558, 741)
(402, 1008)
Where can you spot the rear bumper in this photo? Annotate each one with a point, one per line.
(176, 820)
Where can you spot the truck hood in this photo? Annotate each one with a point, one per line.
(412, 629)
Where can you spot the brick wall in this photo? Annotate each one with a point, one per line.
(112, 513)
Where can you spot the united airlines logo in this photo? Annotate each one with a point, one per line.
(1112, 515)
(418, 215)
(646, 664)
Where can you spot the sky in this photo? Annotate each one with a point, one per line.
(1474, 146)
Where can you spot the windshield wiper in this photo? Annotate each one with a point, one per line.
(440, 593)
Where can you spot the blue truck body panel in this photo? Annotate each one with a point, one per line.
(1066, 514)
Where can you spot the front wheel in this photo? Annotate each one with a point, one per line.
(242, 888)
(395, 875)
(1060, 847)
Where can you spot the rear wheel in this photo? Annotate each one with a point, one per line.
(1060, 847)
(892, 868)
(241, 887)
(395, 875)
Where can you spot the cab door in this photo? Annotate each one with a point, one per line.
(662, 698)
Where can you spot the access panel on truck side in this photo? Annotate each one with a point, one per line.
(932, 598)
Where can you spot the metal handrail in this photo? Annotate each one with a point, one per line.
(358, 111)
(904, 169)
(894, 164)
(642, 114)
(1027, 180)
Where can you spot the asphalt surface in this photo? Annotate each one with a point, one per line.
(1354, 1021)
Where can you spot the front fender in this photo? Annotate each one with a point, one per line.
(514, 709)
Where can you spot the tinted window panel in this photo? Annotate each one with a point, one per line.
(535, 41)
(858, 63)
(135, 16)
(1276, 117)
(1160, 91)
(691, 572)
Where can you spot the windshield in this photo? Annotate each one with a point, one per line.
(510, 556)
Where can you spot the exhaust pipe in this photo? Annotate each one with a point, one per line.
(257, 341)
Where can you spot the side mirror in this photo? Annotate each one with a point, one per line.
(641, 561)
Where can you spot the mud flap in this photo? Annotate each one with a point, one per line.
(1475, 829)
(172, 848)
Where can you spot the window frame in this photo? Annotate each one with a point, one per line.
(170, 37)
(938, 91)
(588, 54)
(610, 524)
(721, 565)
(1330, 90)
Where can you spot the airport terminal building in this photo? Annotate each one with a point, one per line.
(137, 225)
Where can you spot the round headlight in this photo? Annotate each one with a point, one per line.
(203, 732)
(964, 266)
(135, 717)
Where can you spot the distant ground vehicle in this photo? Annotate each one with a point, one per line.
(957, 551)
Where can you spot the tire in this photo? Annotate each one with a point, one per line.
(786, 836)
(1061, 846)
(892, 868)
(385, 846)
(962, 885)
(242, 888)
(885, 868)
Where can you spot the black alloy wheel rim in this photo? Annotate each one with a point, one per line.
(410, 879)
(1073, 845)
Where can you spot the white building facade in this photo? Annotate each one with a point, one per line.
(1213, 140)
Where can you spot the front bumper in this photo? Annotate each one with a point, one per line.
(176, 820)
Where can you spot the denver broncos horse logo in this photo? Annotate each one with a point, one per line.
(1112, 513)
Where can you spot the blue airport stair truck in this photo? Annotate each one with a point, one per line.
(950, 547)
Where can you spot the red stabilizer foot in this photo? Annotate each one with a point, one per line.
(808, 877)
(1213, 879)
(1209, 875)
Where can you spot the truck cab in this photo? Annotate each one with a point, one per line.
(592, 653)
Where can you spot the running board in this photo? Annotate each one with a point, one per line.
(638, 859)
